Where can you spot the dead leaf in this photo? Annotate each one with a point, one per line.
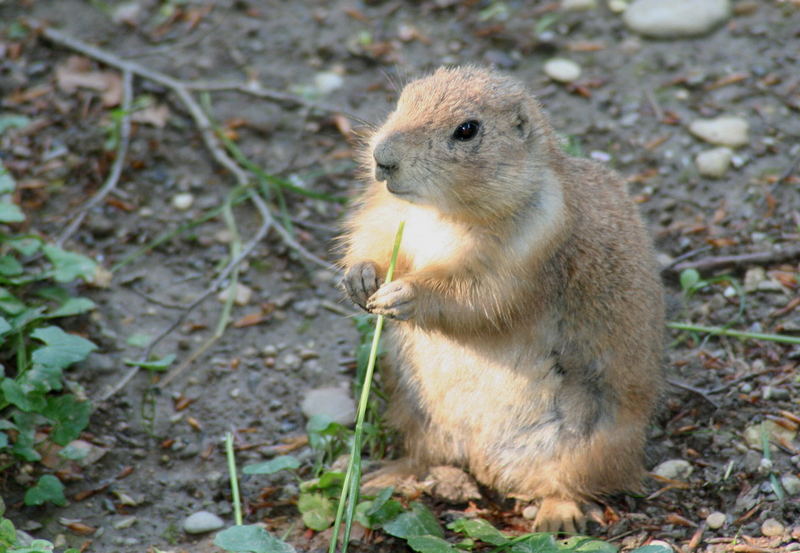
(250, 319)
(75, 74)
(155, 115)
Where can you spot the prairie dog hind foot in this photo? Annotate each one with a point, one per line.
(565, 515)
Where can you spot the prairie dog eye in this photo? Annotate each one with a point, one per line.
(466, 130)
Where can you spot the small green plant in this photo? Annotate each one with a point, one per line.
(37, 283)
(10, 542)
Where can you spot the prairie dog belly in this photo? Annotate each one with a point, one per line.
(476, 404)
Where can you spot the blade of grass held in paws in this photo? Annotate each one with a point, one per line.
(352, 478)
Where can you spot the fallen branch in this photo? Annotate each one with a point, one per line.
(788, 253)
(119, 160)
(268, 222)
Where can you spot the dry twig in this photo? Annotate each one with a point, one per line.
(741, 260)
(119, 160)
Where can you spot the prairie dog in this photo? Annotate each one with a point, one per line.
(528, 318)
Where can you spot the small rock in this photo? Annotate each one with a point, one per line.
(714, 163)
(125, 523)
(773, 393)
(775, 433)
(753, 277)
(291, 362)
(725, 131)
(790, 483)
(771, 528)
(328, 81)
(562, 70)
(202, 522)
(674, 469)
(182, 202)
(242, 297)
(617, 6)
(578, 5)
(716, 520)
(530, 512)
(333, 402)
(676, 18)
(127, 12)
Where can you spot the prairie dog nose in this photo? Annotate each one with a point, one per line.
(386, 161)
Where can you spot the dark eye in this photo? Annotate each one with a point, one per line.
(466, 130)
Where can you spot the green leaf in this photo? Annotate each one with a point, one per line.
(48, 488)
(26, 436)
(430, 544)
(69, 415)
(68, 266)
(3, 440)
(10, 213)
(13, 120)
(419, 521)
(43, 379)
(5, 328)
(382, 508)
(61, 349)
(28, 401)
(318, 511)
(27, 245)
(158, 365)
(71, 307)
(8, 535)
(251, 539)
(284, 462)
(328, 480)
(9, 302)
(651, 549)
(37, 546)
(138, 339)
(689, 278)
(585, 544)
(73, 453)
(9, 266)
(7, 184)
(479, 529)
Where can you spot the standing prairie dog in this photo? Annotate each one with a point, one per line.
(528, 317)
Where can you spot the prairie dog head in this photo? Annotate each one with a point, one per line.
(467, 141)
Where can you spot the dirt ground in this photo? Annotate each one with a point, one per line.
(630, 107)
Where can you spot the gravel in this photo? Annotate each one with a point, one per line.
(676, 18)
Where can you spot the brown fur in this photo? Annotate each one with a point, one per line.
(528, 343)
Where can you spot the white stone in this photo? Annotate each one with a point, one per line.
(674, 469)
(617, 6)
(333, 402)
(790, 483)
(724, 131)
(328, 81)
(771, 528)
(530, 512)
(675, 18)
(716, 520)
(562, 70)
(578, 5)
(242, 294)
(715, 162)
(183, 201)
(202, 522)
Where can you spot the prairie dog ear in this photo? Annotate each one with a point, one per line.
(524, 118)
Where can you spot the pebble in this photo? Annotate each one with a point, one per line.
(578, 5)
(562, 70)
(530, 512)
(674, 469)
(183, 201)
(242, 297)
(725, 130)
(676, 18)
(715, 162)
(771, 528)
(790, 483)
(125, 523)
(328, 81)
(201, 522)
(334, 402)
(291, 362)
(716, 520)
(775, 433)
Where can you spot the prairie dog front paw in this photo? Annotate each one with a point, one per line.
(361, 281)
(396, 300)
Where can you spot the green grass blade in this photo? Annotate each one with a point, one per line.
(352, 478)
(237, 504)
(721, 331)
